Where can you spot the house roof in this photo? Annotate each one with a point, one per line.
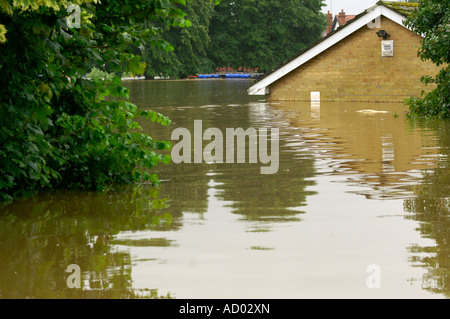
(395, 11)
(336, 23)
(404, 8)
(349, 17)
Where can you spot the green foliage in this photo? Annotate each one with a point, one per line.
(57, 128)
(185, 51)
(246, 33)
(263, 33)
(432, 19)
(61, 128)
(97, 74)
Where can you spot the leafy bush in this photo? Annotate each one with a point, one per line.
(432, 20)
(58, 129)
(97, 74)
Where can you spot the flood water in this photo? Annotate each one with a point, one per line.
(359, 208)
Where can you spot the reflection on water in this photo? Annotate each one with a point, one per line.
(371, 146)
(431, 209)
(358, 184)
(40, 237)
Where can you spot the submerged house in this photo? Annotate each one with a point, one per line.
(371, 58)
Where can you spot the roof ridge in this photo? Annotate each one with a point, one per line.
(404, 8)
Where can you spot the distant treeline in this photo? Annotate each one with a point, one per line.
(250, 34)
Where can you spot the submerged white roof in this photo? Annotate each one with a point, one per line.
(368, 18)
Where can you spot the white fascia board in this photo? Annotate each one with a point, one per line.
(259, 88)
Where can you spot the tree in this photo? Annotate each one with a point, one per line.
(432, 19)
(58, 129)
(187, 53)
(263, 33)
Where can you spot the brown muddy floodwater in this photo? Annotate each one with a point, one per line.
(359, 208)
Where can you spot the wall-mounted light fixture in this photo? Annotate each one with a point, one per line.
(383, 34)
(387, 46)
